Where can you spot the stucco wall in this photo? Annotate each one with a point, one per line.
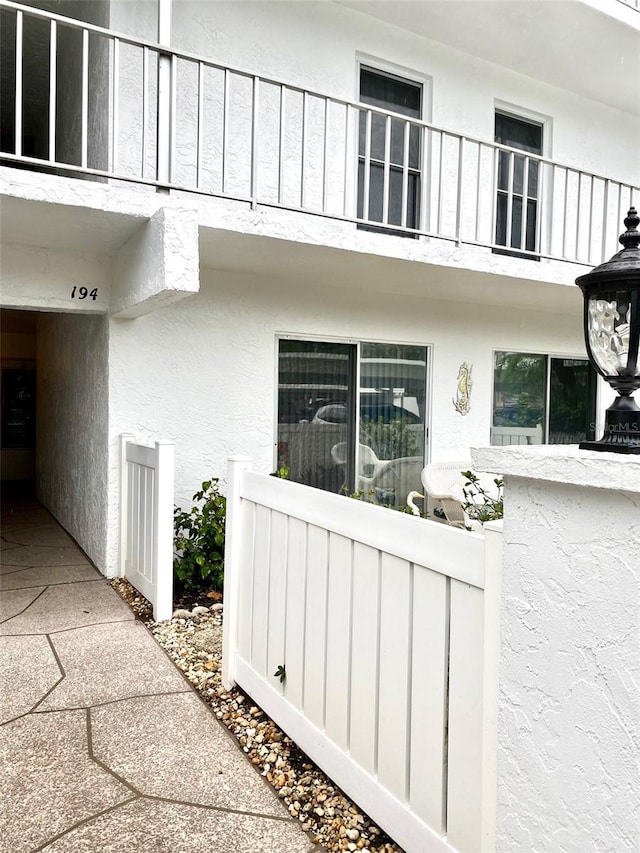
(72, 404)
(278, 39)
(569, 706)
(207, 379)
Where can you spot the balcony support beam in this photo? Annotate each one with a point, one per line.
(158, 265)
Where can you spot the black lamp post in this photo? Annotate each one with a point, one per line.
(612, 335)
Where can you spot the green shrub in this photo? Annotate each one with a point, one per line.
(479, 504)
(199, 541)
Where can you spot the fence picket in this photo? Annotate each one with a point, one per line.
(339, 641)
(315, 625)
(277, 592)
(395, 675)
(296, 597)
(430, 650)
(260, 602)
(364, 657)
(464, 790)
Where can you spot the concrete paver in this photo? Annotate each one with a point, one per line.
(103, 663)
(46, 575)
(49, 535)
(103, 745)
(150, 826)
(145, 740)
(66, 606)
(45, 555)
(49, 781)
(14, 601)
(28, 670)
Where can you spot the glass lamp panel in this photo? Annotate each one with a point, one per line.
(609, 329)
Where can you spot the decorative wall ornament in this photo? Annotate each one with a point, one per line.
(462, 400)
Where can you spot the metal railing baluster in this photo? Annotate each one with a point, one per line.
(200, 132)
(303, 156)
(525, 203)
(84, 121)
(405, 173)
(53, 68)
(385, 168)
(254, 142)
(509, 223)
(115, 103)
(367, 166)
(566, 211)
(18, 88)
(461, 142)
(325, 155)
(145, 107)
(478, 192)
(281, 132)
(578, 216)
(225, 129)
(440, 184)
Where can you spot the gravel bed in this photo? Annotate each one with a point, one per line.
(193, 640)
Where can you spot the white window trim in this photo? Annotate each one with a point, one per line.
(375, 63)
(546, 122)
(402, 72)
(357, 342)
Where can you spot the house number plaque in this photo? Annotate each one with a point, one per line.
(84, 293)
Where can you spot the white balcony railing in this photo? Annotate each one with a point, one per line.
(81, 99)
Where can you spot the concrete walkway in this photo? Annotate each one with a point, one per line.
(103, 744)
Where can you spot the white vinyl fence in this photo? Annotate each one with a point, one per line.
(387, 627)
(146, 521)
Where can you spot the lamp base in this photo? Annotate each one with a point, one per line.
(610, 446)
(621, 428)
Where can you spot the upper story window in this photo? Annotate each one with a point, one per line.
(352, 416)
(389, 150)
(518, 182)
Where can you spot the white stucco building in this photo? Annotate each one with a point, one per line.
(291, 229)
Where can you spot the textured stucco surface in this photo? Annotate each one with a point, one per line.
(72, 412)
(158, 265)
(208, 376)
(35, 277)
(569, 705)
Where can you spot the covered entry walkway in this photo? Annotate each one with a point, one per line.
(103, 744)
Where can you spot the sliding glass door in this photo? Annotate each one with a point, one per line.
(352, 417)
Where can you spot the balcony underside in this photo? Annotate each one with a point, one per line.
(120, 226)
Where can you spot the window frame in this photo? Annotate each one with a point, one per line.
(413, 77)
(545, 122)
(357, 343)
(548, 355)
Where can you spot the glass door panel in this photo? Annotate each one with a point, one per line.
(315, 413)
(519, 398)
(392, 431)
(572, 401)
